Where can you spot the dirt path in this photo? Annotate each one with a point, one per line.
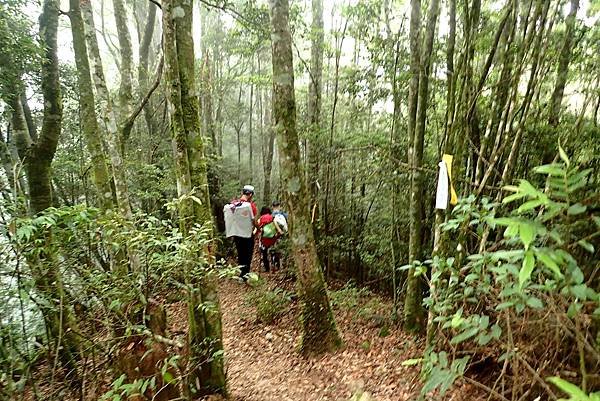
(263, 365)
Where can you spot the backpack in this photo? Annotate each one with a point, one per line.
(269, 230)
(279, 219)
(238, 219)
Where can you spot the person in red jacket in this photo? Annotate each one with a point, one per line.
(269, 234)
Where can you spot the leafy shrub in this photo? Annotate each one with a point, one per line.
(537, 274)
(269, 304)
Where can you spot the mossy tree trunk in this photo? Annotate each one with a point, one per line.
(144, 54)
(126, 85)
(205, 336)
(109, 120)
(87, 106)
(37, 154)
(315, 90)
(319, 332)
(414, 314)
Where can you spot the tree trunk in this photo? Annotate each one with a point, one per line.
(87, 107)
(38, 158)
(563, 66)
(110, 123)
(413, 308)
(126, 86)
(268, 147)
(315, 90)
(250, 133)
(319, 332)
(205, 338)
(144, 53)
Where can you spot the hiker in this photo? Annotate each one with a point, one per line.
(280, 220)
(269, 234)
(240, 221)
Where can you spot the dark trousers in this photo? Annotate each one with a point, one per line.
(245, 249)
(270, 256)
(264, 251)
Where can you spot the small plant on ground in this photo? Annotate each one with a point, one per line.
(269, 304)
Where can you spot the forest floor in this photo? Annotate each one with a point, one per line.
(263, 363)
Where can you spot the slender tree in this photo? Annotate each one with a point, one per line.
(563, 65)
(413, 309)
(109, 119)
(87, 106)
(205, 336)
(319, 332)
(315, 90)
(126, 67)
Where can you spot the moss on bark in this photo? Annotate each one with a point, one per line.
(319, 332)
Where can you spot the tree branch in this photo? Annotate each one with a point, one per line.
(128, 125)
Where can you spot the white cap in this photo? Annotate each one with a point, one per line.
(248, 188)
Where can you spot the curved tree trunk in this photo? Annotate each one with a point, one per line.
(126, 85)
(59, 318)
(144, 52)
(319, 332)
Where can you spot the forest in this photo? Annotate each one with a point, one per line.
(418, 181)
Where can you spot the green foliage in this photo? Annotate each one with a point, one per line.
(360, 303)
(269, 304)
(18, 50)
(539, 257)
(574, 392)
(439, 373)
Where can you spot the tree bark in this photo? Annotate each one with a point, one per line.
(126, 85)
(563, 66)
(110, 123)
(205, 338)
(315, 90)
(414, 319)
(268, 148)
(38, 158)
(144, 53)
(87, 106)
(319, 332)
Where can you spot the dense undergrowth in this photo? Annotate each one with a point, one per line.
(514, 289)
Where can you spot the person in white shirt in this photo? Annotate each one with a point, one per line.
(240, 221)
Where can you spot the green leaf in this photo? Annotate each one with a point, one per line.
(526, 268)
(496, 331)
(465, 335)
(412, 362)
(168, 377)
(534, 303)
(569, 388)
(547, 260)
(527, 233)
(513, 197)
(529, 189)
(550, 169)
(579, 291)
(531, 204)
(563, 155)
(504, 305)
(576, 209)
(586, 245)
